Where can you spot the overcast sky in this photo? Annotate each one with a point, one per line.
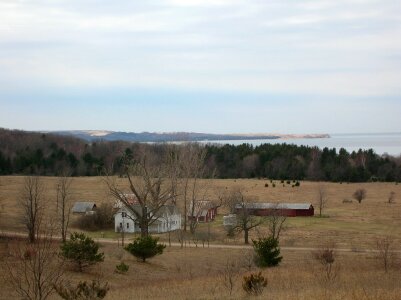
(219, 66)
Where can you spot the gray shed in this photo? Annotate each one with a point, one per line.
(83, 207)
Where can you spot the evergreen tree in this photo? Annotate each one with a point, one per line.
(82, 250)
(267, 252)
(145, 247)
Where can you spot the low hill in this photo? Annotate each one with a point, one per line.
(96, 135)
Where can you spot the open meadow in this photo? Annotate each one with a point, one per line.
(201, 273)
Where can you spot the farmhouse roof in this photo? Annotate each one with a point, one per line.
(302, 206)
(81, 207)
(163, 211)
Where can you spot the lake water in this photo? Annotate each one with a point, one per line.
(389, 143)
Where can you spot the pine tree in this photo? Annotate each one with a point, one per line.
(145, 247)
(82, 250)
(267, 252)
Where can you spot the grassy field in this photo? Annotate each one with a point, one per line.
(198, 273)
(349, 225)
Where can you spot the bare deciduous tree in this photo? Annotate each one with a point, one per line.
(152, 178)
(245, 221)
(63, 208)
(322, 199)
(383, 246)
(391, 197)
(275, 221)
(194, 191)
(231, 198)
(327, 258)
(229, 274)
(32, 202)
(35, 268)
(359, 195)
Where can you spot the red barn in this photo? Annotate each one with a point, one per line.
(203, 211)
(283, 209)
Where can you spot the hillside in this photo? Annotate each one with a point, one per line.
(96, 135)
(51, 154)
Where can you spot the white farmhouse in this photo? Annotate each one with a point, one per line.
(166, 219)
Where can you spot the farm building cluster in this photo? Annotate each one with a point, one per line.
(168, 217)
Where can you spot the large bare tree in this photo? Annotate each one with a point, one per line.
(245, 220)
(32, 203)
(275, 221)
(322, 199)
(35, 269)
(192, 168)
(63, 208)
(152, 179)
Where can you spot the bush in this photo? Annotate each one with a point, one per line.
(122, 268)
(326, 257)
(267, 252)
(297, 183)
(83, 290)
(359, 195)
(103, 218)
(254, 284)
(145, 247)
(82, 250)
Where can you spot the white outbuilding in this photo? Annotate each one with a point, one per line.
(166, 219)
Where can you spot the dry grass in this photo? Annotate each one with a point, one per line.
(350, 225)
(196, 273)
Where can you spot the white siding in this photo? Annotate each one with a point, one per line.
(164, 224)
(123, 222)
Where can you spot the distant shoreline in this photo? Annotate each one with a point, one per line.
(155, 137)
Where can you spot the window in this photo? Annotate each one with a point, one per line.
(127, 225)
(124, 214)
(121, 225)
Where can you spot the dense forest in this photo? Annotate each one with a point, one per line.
(48, 154)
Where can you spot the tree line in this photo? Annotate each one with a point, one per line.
(32, 153)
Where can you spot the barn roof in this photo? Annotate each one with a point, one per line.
(81, 207)
(201, 207)
(305, 206)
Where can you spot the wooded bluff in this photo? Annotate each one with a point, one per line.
(27, 153)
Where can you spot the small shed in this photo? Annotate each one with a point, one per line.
(202, 211)
(83, 207)
(283, 209)
(230, 220)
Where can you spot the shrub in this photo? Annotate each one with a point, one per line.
(267, 252)
(359, 195)
(254, 284)
(122, 268)
(288, 182)
(145, 247)
(94, 290)
(103, 218)
(266, 185)
(297, 183)
(326, 256)
(82, 250)
(86, 222)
